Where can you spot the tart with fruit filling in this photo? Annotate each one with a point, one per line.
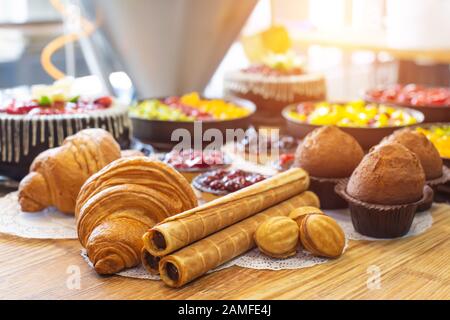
(218, 183)
(433, 102)
(411, 95)
(354, 114)
(188, 108)
(191, 162)
(44, 116)
(280, 80)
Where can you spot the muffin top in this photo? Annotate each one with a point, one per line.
(424, 149)
(389, 174)
(328, 152)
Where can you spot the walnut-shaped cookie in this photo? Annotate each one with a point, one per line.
(322, 236)
(277, 237)
(300, 213)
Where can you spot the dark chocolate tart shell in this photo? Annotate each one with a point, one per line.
(23, 137)
(434, 186)
(380, 221)
(324, 188)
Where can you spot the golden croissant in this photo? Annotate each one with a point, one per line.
(117, 205)
(56, 175)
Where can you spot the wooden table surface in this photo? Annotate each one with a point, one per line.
(410, 268)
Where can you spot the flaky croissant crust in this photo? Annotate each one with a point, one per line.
(56, 175)
(119, 203)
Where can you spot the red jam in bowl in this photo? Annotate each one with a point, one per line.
(190, 159)
(74, 106)
(411, 95)
(226, 181)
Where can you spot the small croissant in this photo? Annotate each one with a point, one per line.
(117, 205)
(56, 175)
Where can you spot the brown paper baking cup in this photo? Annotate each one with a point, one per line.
(434, 184)
(380, 221)
(325, 190)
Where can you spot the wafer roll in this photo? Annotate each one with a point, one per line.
(150, 262)
(185, 228)
(196, 259)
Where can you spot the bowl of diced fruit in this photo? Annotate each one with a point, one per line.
(439, 135)
(156, 120)
(433, 102)
(368, 123)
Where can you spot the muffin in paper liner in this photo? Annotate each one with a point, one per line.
(324, 188)
(434, 184)
(380, 221)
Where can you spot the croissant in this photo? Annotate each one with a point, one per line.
(56, 175)
(117, 205)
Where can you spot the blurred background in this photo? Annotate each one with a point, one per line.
(355, 44)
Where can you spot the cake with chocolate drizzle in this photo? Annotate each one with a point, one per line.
(32, 123)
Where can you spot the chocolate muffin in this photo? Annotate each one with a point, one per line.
(329, 155)
(424, 149)
(385, 191)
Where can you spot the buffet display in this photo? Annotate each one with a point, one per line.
(186, 212)
(138, 171)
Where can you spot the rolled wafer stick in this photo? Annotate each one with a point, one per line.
(185, 228)
(150, 262)
(198, 258)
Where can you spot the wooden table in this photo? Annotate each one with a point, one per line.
(411, 268)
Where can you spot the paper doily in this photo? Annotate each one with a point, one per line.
(421, 223)
(47, 224)
(253, 259)
(138, 272)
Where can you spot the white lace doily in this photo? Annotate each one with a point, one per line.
(422, 221)
(253, 259)
(47, 224)
(138, 272)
